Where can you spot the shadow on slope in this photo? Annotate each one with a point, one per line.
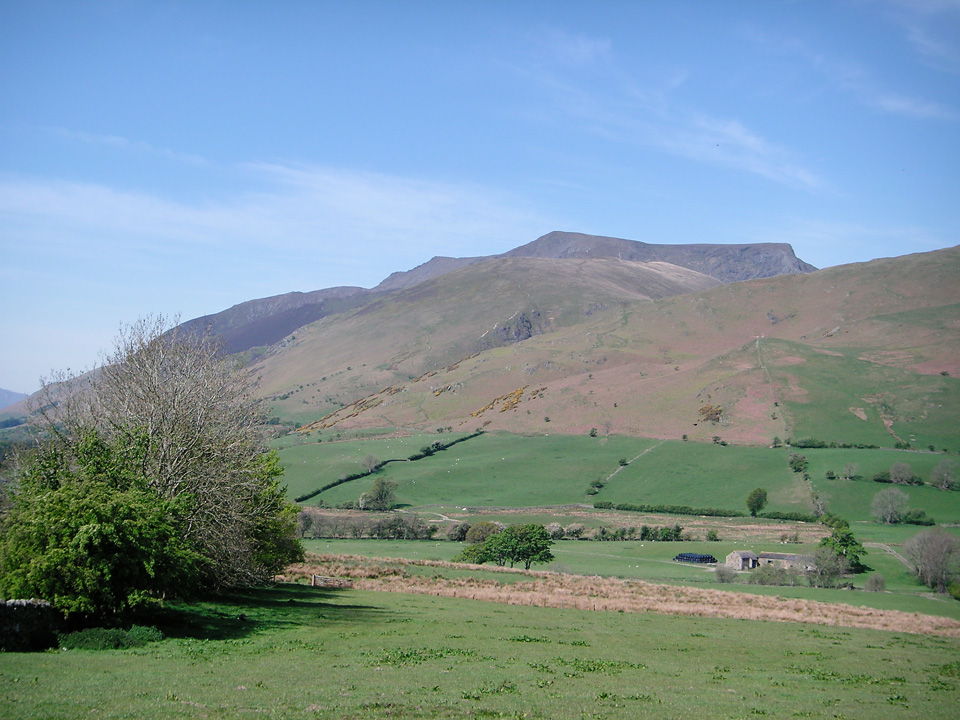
(237, 615)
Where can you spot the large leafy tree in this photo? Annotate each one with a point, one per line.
(842, 543)
(935, 555)
(756, 501)
(86, 533)
(185, 421)
(527, 544)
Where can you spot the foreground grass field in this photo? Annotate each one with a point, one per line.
(308, 653)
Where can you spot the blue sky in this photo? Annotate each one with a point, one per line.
(182, 157)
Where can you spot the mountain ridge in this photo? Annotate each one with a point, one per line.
(782, 356)
(266, 321)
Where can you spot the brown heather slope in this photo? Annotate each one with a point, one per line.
(569, 341)
(432, 325)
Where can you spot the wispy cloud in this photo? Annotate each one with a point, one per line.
(852, 78)
(611, 103)
(327, 210)
(576, 50)
(122, 143)
(728, 142)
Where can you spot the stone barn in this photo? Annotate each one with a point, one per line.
(742, 560)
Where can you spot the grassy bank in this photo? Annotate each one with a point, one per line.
(305, 653)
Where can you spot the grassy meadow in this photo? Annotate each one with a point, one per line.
(846, 397)
(311, 653)
(495, 469)
(292, 651)
(510, 471)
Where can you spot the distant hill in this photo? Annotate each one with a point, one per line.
(8, 398)
(859, 353)
(266, 321)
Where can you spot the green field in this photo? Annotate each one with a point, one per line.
(305, 653)
(924, 409)
(851, 499)
(495, 469)
(708, 476)
(506, 470)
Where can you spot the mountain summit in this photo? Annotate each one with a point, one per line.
(726, 263)
(266, 321)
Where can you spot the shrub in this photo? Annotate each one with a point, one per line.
(28, 625)
(458, 531)
(110, 638)
(875, 583)
(479, 532)
(555, 530)
(725, 574)
(795, 516)
(668, 509)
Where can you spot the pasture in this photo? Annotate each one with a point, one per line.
(308, 653)
(503, 470)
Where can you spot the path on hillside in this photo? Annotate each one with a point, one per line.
(890, 551)
(769, 376)
(441, 516)
(621, 467)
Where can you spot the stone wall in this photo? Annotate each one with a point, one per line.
(28, 625)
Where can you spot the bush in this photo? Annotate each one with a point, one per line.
(725, 574)
(555, 530)
(458, 531)
(479, 532)
(110, 638)
(668, 509)
(917, 517)
(774, 575)
(875, 583)
(795, 516)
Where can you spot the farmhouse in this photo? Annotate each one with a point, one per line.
(787, 560)
(742, 560)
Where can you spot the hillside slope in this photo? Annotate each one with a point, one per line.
(266, 321)
(863, 353)
(436, 323)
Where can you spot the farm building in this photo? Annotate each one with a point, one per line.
(787, 560)
(742, 560)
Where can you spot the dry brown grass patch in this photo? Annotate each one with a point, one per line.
(549, 589)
